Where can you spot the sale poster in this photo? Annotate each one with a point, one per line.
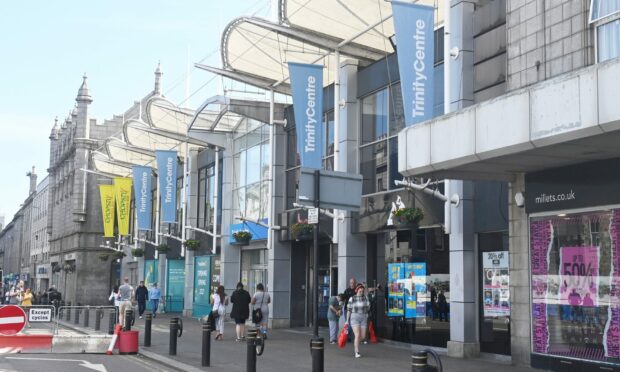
(612, 327)
(396, 289)
(541, 233)
(415, 272)
(579, 271)
(496, 290)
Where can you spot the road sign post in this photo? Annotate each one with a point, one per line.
(12, 320)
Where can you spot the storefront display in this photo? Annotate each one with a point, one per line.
(407, 292)
(496, 292)
(575, 265)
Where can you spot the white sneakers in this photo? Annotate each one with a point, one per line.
(358, 355)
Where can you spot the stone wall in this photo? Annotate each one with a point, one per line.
(546, 38)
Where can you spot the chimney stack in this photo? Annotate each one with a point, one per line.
(33, 181)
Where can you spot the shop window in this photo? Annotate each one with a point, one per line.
(575, 267)
(605, 15)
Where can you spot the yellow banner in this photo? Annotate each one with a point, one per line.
(107, 209)
(122, 191)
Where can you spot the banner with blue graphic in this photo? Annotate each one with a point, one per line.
(416, 294)
(414, 27)
(167, 176)
(142, 190)
(307, 89)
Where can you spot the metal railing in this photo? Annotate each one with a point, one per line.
(100, 318)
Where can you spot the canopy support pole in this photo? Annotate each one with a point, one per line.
(215, 198)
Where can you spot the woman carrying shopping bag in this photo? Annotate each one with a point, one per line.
(358, 307)
(219, 302)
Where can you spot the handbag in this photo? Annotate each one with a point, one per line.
(257, 314)
(343, 335)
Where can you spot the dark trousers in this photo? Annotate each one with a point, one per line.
(141, 307)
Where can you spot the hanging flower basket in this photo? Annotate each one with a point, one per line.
(138, 252)
(302, 231)
(242, 237)
(162, 248)
(407, 217)
(57, 268)
(102, 257)
(118, 255)
(191, 244)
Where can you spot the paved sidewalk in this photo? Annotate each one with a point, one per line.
(288, 350)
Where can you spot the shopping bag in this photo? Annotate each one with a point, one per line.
(342, 337)
(371, 333)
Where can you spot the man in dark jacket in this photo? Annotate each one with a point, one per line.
(142, 295)
(240, 310)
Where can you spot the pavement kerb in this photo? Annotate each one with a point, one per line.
(168, 362)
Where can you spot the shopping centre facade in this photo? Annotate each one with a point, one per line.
(523, 265)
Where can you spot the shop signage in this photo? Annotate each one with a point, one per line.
(414, 26)
(107, 209)
(167, 178)
(307, 89)
(142, 189)
(258, 232)
(313, 215)
(338, 190)
(495, 288)
(202, 283)
(576, 186)
(122, 194)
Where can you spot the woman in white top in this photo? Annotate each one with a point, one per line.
(219, 302)
(114, 296)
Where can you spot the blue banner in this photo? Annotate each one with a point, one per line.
(414, 27)
(167, 175)
(416, 294)
(307, 89)
(142, 190)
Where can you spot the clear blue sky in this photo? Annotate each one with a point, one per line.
(46, 47)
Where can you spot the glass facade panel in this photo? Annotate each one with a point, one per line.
(575, 268)
(609, 40)
(375, 117)
(374, 167)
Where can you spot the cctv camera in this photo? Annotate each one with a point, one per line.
(520, 200)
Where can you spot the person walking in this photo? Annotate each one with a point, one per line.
(142, 295)
(126, 295)
(333, 314)
(358, 307)
(26, 303)
(240, 300)
(261, 300)
(155, 297)
(442, 306)
(219, 302)
(348, 293)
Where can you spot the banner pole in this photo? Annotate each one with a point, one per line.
(184, 205)
(157, 216)
(215, 198)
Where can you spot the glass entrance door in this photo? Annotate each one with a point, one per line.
(494, 282)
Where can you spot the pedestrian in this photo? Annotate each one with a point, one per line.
(142, 295)
(261, 300)
(442, 306)
(27, 298)
(154, 296)
(219, 302)
(333, 314)
(348, 293)
(126, 295)
(358, 307)
(240, 300)
(14, 296)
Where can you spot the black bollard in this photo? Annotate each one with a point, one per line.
(419, 361)
(251, 351)
(174, 327)
(98, 316)
(147, 329)
(206, 345)
(111, 322)
(68, 311)
(128, 319)
(317, 349)
(86, 316)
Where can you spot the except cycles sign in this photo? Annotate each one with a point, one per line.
(12, 320)
(38, 315)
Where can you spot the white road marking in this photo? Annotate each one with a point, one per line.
(83, 363)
